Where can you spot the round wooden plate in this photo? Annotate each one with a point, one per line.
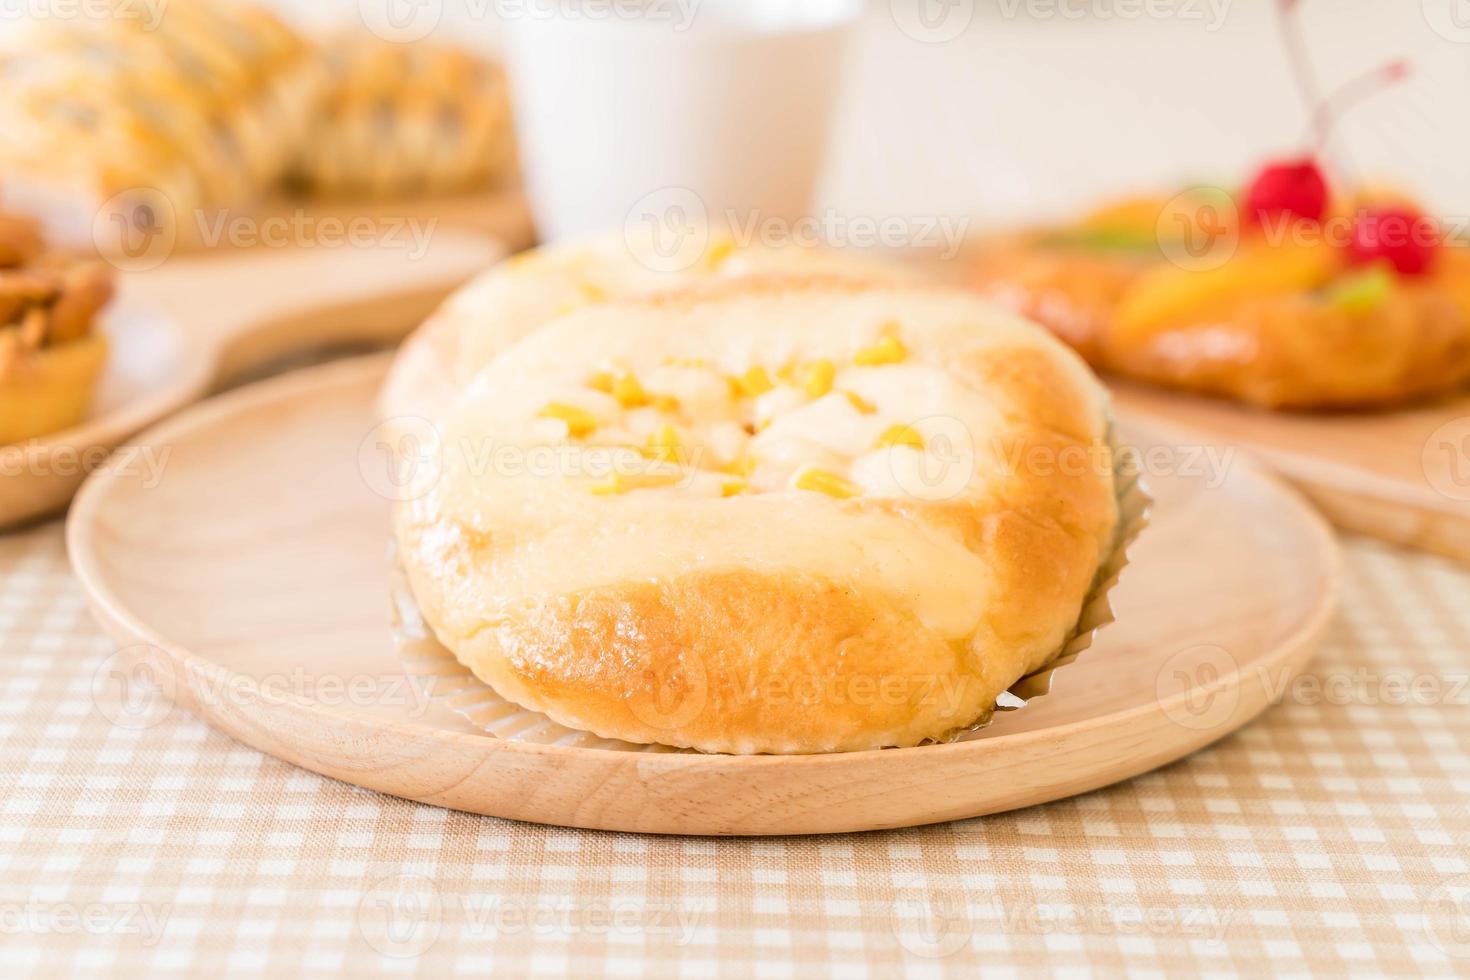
(249, 584)
(195, 321)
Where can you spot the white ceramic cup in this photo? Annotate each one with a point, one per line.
(653, 110)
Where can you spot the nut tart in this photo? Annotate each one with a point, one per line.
(50, 353)
(404, 119)
(770, 514)
(1276, 295)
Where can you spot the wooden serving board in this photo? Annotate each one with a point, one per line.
(503, 214)
(1403, 475)
(198, 320)
(266, 516)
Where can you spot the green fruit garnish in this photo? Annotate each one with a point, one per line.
(1363, 292)
(1102, 240)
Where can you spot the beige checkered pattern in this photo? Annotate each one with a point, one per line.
(1331, 837)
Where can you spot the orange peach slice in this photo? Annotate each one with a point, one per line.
(1168, 295)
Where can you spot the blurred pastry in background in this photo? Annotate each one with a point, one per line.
(399, 120)
(50, 350)
(122, 124)
(1288, 294)
(1293, 291)
(116, 129)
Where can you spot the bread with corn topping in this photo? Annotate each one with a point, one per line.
(779, 513)
(514, 297)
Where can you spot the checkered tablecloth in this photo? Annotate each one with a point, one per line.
(1332, 836)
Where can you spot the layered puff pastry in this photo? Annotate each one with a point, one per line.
(405, 119)
(147, 121)
(779, 513)
(50, 353)
(116, 129)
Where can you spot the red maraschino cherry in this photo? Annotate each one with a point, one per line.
(1405, 238)
(1290, 187)
(1298, 187)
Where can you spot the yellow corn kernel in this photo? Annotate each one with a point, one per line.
(731, 488)
(664, 403)
(719, 252)
(755, 382)
(601, 381)
(817, 379)
(860, 403)
(825, 481)
(617, 483)
(663, 444)
(744, 466)
(579, 421)
(900, 435)
(592, 292)
(629, 392)
(607, 488)
(889, 350)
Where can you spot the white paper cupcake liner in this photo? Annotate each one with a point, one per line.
(442, 678)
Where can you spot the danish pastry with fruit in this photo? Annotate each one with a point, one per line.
(780, 512)
(1285, 300)
(50, 352)
(1287, 294)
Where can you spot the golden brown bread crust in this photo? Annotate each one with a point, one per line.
(743, 662)
(1280, 352)
(778, 651)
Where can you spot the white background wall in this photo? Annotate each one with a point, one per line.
(1039, 106)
